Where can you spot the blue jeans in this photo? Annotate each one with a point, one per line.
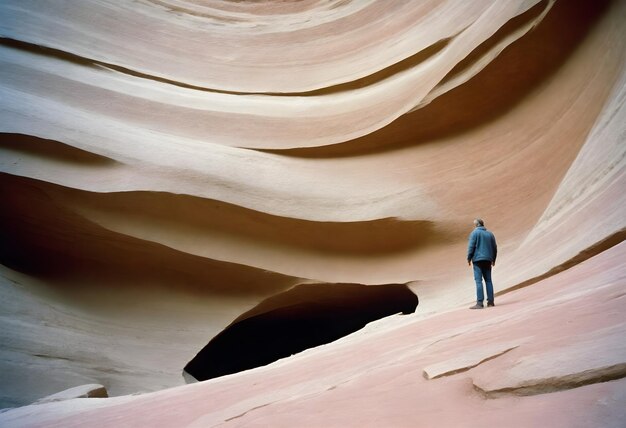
(482, 269)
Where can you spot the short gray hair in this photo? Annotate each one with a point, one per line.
(479, 222)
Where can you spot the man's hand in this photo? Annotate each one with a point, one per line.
(469, 262)
(493, 263)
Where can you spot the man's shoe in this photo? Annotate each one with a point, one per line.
(490, 304)
(477, 306)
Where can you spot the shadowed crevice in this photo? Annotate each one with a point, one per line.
(159, 214)
(403, 65)
(93, 63)
(429, 374)
(488, 45)
(306, 316)
(51, 150)
(503, 84)
(379, 76)
(41, 238)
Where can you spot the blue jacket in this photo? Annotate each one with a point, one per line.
(482, 245)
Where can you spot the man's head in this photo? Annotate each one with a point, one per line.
(478, 222)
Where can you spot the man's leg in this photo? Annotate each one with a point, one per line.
(478, 278)
(486, 268)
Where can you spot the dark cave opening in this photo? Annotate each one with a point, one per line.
(303, 317)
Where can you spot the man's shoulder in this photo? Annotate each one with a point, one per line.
(484, 231)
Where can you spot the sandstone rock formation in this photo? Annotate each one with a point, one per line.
(304, 317)
(167, 165)
(83, 391)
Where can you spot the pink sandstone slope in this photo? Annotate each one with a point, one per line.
(167, 165)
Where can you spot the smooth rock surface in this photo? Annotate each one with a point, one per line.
(167, 165)
(376, 377)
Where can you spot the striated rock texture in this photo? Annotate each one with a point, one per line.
(167, 165)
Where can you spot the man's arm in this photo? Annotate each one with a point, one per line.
(495, 249)
(471, 247)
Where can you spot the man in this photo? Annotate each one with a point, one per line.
(481, 252)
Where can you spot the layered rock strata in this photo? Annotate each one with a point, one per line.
(166, 165)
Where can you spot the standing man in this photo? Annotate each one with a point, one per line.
(481, 252)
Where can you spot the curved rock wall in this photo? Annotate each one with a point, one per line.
(167, 164)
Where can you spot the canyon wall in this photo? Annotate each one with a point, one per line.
(167, 165)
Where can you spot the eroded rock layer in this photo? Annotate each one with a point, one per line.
(166, 165)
